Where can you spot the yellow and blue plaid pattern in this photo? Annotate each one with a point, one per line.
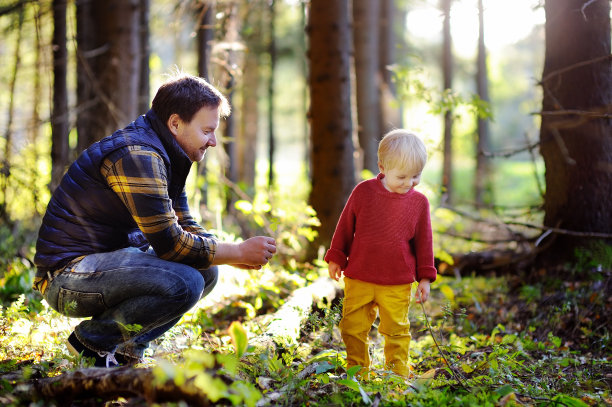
(139, 178)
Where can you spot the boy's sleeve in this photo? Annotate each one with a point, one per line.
(343, 236)
(423, 243)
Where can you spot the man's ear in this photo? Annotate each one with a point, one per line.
(173, 123)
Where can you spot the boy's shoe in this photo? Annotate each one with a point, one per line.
(101, 359)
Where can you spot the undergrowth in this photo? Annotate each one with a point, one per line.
(536, 339)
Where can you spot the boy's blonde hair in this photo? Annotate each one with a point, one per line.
(401, 149)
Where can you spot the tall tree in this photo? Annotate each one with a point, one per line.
(575, 134)
(391, 19)
(109, 56)
(229, 53)
(143, 85)
(272, 53)
(330, 114)
(6, 161)
(482, 182)
(59, 111)
(205, 35)
(447, 71)
(366, 19)
(253, 17)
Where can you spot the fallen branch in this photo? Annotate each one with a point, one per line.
(109, 384)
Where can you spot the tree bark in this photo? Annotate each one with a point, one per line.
(59, 112)
(483, 190)
(109, 57)
(447, 68)
(109, 384)
(253, 18)
(575, 132)
(366, 18)
(333, 175)
(205, 38)
(391, 17)
(272, 53)
(6, 162)
(205, 35)
(145, 51)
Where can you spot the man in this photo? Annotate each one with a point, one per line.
(118, 243)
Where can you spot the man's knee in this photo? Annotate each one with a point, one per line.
(210, 275)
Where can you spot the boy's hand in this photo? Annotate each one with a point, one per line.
(422, 293)
(334, 270)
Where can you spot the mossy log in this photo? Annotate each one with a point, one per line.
(109, 384)
(284, 327)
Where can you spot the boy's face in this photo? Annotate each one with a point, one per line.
(400, 180)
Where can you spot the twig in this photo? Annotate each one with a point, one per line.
(575, 112)
(535, 168)
(560, 231)
(556, 230)
(584, 6)
(509, 153)
(430, 329)
(514, 238)
(574, 66)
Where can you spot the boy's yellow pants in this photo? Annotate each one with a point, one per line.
(361, 301)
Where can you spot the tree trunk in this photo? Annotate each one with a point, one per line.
(230, 76)
(205, 37)
(330, 114)
(30, 155)
(271, 137)
(483, 190)
(60, 127)
(447, 68)
(390, 109)
(6, 162)
(247, 144)
(575, 139)
(366, 40)
(109, 59)
(145, 49)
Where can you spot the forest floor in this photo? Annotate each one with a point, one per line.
(480, 340)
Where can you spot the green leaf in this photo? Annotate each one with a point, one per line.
(244, 206)
(569, 401)
(239, 338)
(448, 292)
(353, 385)
(467, 368)
(324, 367)
(504, 390)
(353, 370)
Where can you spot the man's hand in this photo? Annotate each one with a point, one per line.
(251, 254)
(334, 270)
(422, 292)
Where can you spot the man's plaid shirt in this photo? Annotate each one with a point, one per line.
(138, 176)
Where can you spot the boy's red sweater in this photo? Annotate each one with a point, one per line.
(384, 237)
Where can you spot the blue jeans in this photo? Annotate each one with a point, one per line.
(131, 296)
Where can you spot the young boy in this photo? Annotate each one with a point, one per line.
(383, 243)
